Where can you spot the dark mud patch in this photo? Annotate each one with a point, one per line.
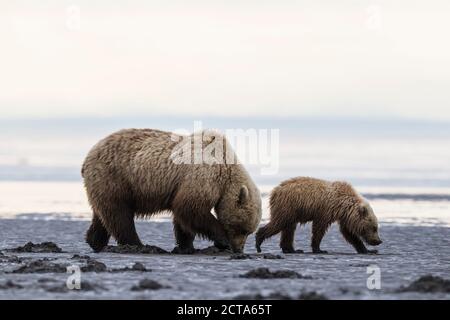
(311, 295)
(44, 247)
(427, 284)
(90, 265)
(46, 265)
(213, 250)
(136, 267)
(94, 266)
(272, 256)
(89, 286)
(344, 290)
(10, 259)
(147, 284)
(359, 265)
(243, 256)
(258, 296)
(78, 257)
(8, 285)
(240, 256)
(41, 266)
(265, 273)
(46, 280)
(147, 249)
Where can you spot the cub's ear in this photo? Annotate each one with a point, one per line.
(243, 195)
(363, 211)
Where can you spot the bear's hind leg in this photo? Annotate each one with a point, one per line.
(120, 224)
(287, 240)
(265, 232)
(184, 239)
(318, 231)
(97, 236)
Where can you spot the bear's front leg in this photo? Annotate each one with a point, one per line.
(222, 245)
(356, 242)
(203, 223)
(194, 213)
(184, 239)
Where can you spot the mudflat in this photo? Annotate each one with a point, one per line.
(413, 263)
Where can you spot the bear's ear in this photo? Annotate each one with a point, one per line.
(243, 195)
(363, 211)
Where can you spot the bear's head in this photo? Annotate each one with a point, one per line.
(239, 211)
(368, 224)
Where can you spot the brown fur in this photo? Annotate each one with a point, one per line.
(301, 200)
(131, 173)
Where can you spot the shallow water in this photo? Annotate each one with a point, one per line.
(67, 200)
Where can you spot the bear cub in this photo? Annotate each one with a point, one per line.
(303, 199)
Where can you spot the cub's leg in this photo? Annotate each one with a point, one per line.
(287, 240)
(97, 236)
(355, 241)
(280, 220)
(184, 239)
(318, 232)
(269, 230)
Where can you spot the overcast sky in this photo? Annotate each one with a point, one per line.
(285, 58)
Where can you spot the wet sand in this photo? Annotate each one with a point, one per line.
(39, 272)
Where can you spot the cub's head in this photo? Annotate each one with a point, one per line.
(239, 211)
(368, 224)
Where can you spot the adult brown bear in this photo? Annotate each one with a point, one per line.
(135, 172)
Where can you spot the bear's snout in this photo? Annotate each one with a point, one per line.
(375, 242)
(238, 243)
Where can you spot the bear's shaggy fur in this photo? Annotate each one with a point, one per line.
(302, 199)
(132, 173)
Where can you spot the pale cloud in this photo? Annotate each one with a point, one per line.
(225, 58)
